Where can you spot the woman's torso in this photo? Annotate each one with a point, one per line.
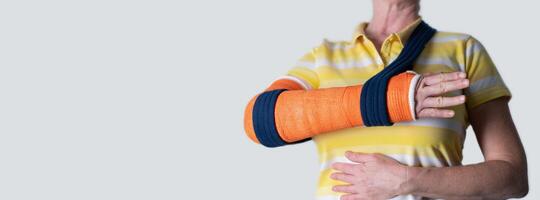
(425, 142)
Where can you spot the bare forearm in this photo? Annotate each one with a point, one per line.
(488, 180)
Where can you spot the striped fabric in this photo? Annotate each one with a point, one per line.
(425, 142)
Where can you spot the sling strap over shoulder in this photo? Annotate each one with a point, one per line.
(373, 97)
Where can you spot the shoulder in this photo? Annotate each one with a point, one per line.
(452, 37)
(460, 40)
(463, 45)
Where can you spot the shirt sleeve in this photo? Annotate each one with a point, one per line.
(304, 70)
(486, 83)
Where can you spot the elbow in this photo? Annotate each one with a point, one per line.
(522, 188)
(512, 181)
(523, 193)
(521, 182)
(518, 187)
(248, 123)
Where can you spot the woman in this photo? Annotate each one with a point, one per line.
(421, 158)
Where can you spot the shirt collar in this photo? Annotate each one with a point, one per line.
(402, 35)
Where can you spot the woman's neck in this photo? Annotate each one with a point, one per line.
(391, 16)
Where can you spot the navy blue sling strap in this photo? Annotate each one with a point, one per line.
(264, 121)
(373, 105)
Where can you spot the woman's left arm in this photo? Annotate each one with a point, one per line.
(502, 175)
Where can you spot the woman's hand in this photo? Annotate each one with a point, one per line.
(373, 176)
(429, 91)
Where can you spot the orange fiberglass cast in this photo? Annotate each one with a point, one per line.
(298, 114)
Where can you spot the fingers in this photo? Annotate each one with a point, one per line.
(344, 167)
(433, 79)
(359, 157)
(343, 177)
(444, 87)
(344, 189)
(431, 88)
(435, 113)
(440, 102)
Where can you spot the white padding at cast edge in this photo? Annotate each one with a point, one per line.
(412, 92)
(305, 85)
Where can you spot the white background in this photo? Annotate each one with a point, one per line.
(144, 99)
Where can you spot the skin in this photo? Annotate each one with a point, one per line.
(390, 16)
(429, 103)
(502, 175)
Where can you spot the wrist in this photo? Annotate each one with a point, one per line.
(401, 97)
(409, 184)
(413, 86)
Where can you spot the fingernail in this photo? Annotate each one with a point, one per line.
(465, 82)
(462, 75)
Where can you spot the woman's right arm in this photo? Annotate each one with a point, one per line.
(301, 113)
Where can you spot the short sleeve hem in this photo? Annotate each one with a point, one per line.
(484, 96)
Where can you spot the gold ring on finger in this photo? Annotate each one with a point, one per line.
(442, 76)
(443, 87)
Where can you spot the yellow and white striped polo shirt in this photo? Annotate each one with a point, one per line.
(425, 142)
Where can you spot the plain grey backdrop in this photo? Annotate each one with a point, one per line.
(112, 99)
